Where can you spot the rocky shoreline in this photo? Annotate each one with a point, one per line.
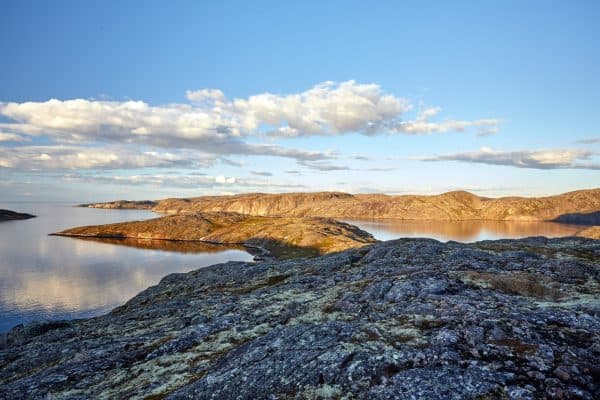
(405, 319)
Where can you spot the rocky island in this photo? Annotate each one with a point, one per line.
(8, 215)
(282, 237)
(405, 319)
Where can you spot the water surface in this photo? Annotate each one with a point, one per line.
(463, 231)
(51, 277)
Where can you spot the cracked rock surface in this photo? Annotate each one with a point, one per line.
(405, 319)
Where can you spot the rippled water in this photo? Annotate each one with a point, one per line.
(463, 231)
(43, 277)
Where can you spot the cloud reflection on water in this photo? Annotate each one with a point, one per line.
(45, 276)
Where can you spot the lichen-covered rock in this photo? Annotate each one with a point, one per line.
(405, 319)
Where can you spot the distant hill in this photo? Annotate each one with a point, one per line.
(451, 206)
(8, 215)
(123, 204)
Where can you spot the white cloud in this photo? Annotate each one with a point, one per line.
(13, 137)
(422, 124)
(188, 181)
(224, 180)
(537, 159)
(44, 158)
(205, 95)
(135, 122)
(328, 108)
(107, 134)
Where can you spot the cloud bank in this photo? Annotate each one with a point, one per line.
(209, 123)
(220, 182)
(593, 140)
(536, 159)
(328, 108)
(45, 158)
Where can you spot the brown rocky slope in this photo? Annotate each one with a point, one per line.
(283, 237)
(451, 206)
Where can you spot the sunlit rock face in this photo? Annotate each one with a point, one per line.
(283, 237)
(591, 232)
(411, 318)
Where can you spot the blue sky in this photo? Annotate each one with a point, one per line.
(180, 99)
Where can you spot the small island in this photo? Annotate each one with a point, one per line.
(280, 237)
(8, 215)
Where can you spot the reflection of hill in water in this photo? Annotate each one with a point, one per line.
(167, 245)
(463, 231)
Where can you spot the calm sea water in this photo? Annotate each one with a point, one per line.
(51, 277)
(463, 231)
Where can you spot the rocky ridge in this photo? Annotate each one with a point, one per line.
(451, 206)
(405, 319)
(282, 237)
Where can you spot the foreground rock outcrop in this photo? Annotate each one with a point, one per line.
(8, 215)
(406, 319)
(282, 237)
(452, 206)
